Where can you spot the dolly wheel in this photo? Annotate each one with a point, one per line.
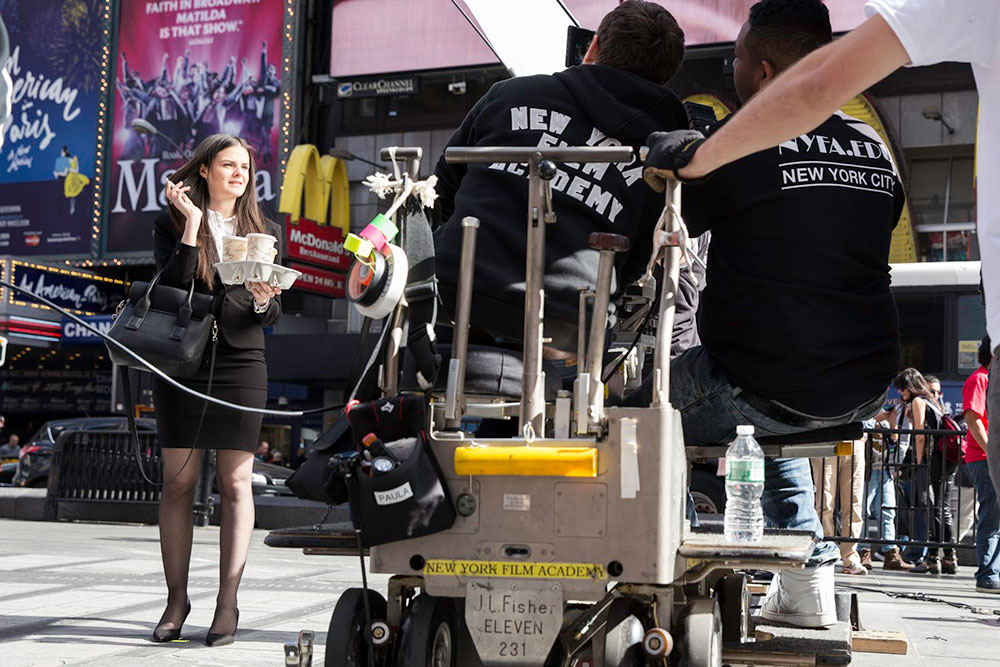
(346, 645)
(428, 635)
(701, 634)
(623, 636)
(734, 601)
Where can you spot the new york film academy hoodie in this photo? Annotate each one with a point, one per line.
(586, 105)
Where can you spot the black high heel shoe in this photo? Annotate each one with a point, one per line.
(171, 634)
(223, 638)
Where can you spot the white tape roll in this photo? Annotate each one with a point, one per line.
(398, 269)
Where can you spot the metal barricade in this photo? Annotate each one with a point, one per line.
(95, 476)
(928, 504)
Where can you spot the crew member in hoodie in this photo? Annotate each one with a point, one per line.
(616, 97)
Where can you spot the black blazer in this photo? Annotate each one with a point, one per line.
(241, 327)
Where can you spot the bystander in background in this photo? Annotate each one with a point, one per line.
(977, 423)
(12, 448)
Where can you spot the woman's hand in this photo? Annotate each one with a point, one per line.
(262, 292)
(177, 196)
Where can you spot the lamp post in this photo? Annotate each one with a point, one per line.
(344, 154)
(143, 126)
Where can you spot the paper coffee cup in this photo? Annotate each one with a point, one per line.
(260, 247)
(272, 254)
(234, 248)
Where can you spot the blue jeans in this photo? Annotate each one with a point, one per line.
(988, 527)
(711, 409)
(880, 501)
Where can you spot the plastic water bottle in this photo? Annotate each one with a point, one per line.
(744, 520)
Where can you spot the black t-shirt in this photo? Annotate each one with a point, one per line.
(589, 105)
(797, 306)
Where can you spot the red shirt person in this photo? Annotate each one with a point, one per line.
(988, 527)
(974, 402)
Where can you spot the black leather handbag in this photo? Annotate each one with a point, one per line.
(167, 326)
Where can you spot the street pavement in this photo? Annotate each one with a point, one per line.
(89, 594)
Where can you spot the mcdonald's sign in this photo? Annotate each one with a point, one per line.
(319, 184)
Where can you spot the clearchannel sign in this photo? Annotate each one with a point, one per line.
(397, 85)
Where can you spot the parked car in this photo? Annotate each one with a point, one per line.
(7, 470)
(269, 479)
(36, 454)
(36, 458)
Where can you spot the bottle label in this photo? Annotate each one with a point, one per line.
(745, 471)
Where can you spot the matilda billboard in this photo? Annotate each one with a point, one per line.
(191, 68)
(47, 145)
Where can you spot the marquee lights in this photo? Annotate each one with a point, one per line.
(103, 120)
(17, 301)
(287, 83)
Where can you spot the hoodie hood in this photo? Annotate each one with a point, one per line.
(588, 105)
(621, 104)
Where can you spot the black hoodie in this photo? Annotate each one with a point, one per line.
(588, 105)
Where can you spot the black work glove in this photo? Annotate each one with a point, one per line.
(668, 152)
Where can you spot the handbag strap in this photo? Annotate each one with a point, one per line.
(130, 414)
(142, 307)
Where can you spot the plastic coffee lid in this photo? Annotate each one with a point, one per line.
(744, 429)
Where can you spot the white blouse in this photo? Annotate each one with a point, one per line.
(219, 227)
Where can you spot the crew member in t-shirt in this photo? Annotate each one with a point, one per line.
(977, 423)
(897, 32)
(798, 325)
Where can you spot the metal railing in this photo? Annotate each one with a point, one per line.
(928, 495)
(95, 476)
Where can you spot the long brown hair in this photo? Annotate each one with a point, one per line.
(912, 379)
(248, 216)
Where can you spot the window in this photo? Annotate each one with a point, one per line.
(943, 202)
(922, 320)
(971, 329)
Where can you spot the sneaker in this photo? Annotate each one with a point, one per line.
(988, 586)
(855, 568)
(928, 566)
(802, 597)
(948, 566)
(893, 560)
(866, 558)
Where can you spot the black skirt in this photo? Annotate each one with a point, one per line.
(240, 377)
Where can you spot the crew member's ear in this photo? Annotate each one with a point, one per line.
(203, 171)
(590, 58)
(767, 73)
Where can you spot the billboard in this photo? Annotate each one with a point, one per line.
(433, 34)
(48, 145)
(191, 68)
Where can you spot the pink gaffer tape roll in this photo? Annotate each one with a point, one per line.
(373, 234)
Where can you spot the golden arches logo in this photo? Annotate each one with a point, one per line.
(323, 182)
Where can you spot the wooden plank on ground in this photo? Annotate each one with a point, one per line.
(876, 641)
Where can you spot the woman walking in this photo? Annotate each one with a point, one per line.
(933, 488)
(210, 197)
